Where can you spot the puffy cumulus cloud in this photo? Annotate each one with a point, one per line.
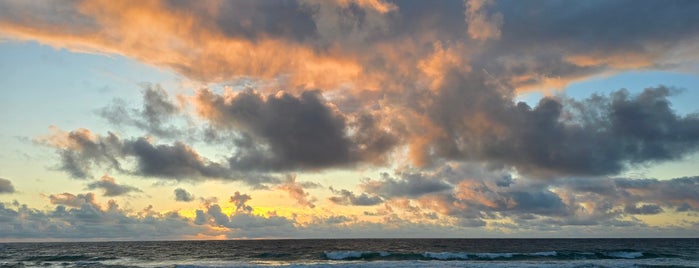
(601, 135)
(82, 151)
(182, 195)
(87, 220)
(111, 188)
(6, 186)
(286, 132)
(297, 192)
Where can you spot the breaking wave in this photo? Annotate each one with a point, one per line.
(483, 256)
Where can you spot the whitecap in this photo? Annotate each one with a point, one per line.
(445, 255)
(624, 254)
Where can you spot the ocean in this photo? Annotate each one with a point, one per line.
(358, 253)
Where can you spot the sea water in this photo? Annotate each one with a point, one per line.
(359, 253)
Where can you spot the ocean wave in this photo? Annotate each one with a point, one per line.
(480, 256)
(624, 254)
(444, 256)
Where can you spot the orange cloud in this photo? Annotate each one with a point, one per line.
(482, 26)
(189, 44)
(296, 191)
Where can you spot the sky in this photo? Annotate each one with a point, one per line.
(175, 120)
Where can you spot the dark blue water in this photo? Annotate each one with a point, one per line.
(359, 252)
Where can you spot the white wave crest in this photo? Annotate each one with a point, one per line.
(494, 255)
(341, 255)
(544, 254)
(446, 255)
(625, 254)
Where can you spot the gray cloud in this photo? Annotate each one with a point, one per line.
(239, 200)
(156, 112)
(468, 96)
(90, 220)
(81, 151)
(345, 197)
(479, 197)
(284, 132)
(300, 132)
(409, 185)
(601, 135)
(111, 188)
(183, 196)
(172, 161)
(647, 209)
(6, 186)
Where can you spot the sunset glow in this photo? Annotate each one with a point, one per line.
(160, 120)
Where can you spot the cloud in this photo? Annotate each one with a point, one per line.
(183, 196)
(157, 110)
(345, 197)
(285, 132)
(111, 188)
(602, 135)
(409, 185)
(296, 191)
(481, 198)
(647, 209)
(300, 132)
(71, 200)
(81, 151)
(482, 26)
(6, 186)
(330, 44)
(239, 200)
(89, 220)
(422, 77)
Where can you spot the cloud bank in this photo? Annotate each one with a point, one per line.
(425, 93)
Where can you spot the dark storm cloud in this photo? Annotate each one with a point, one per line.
(111, 188)
(345, 197)
(183, 196)
(6, 186)
(284, 132)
